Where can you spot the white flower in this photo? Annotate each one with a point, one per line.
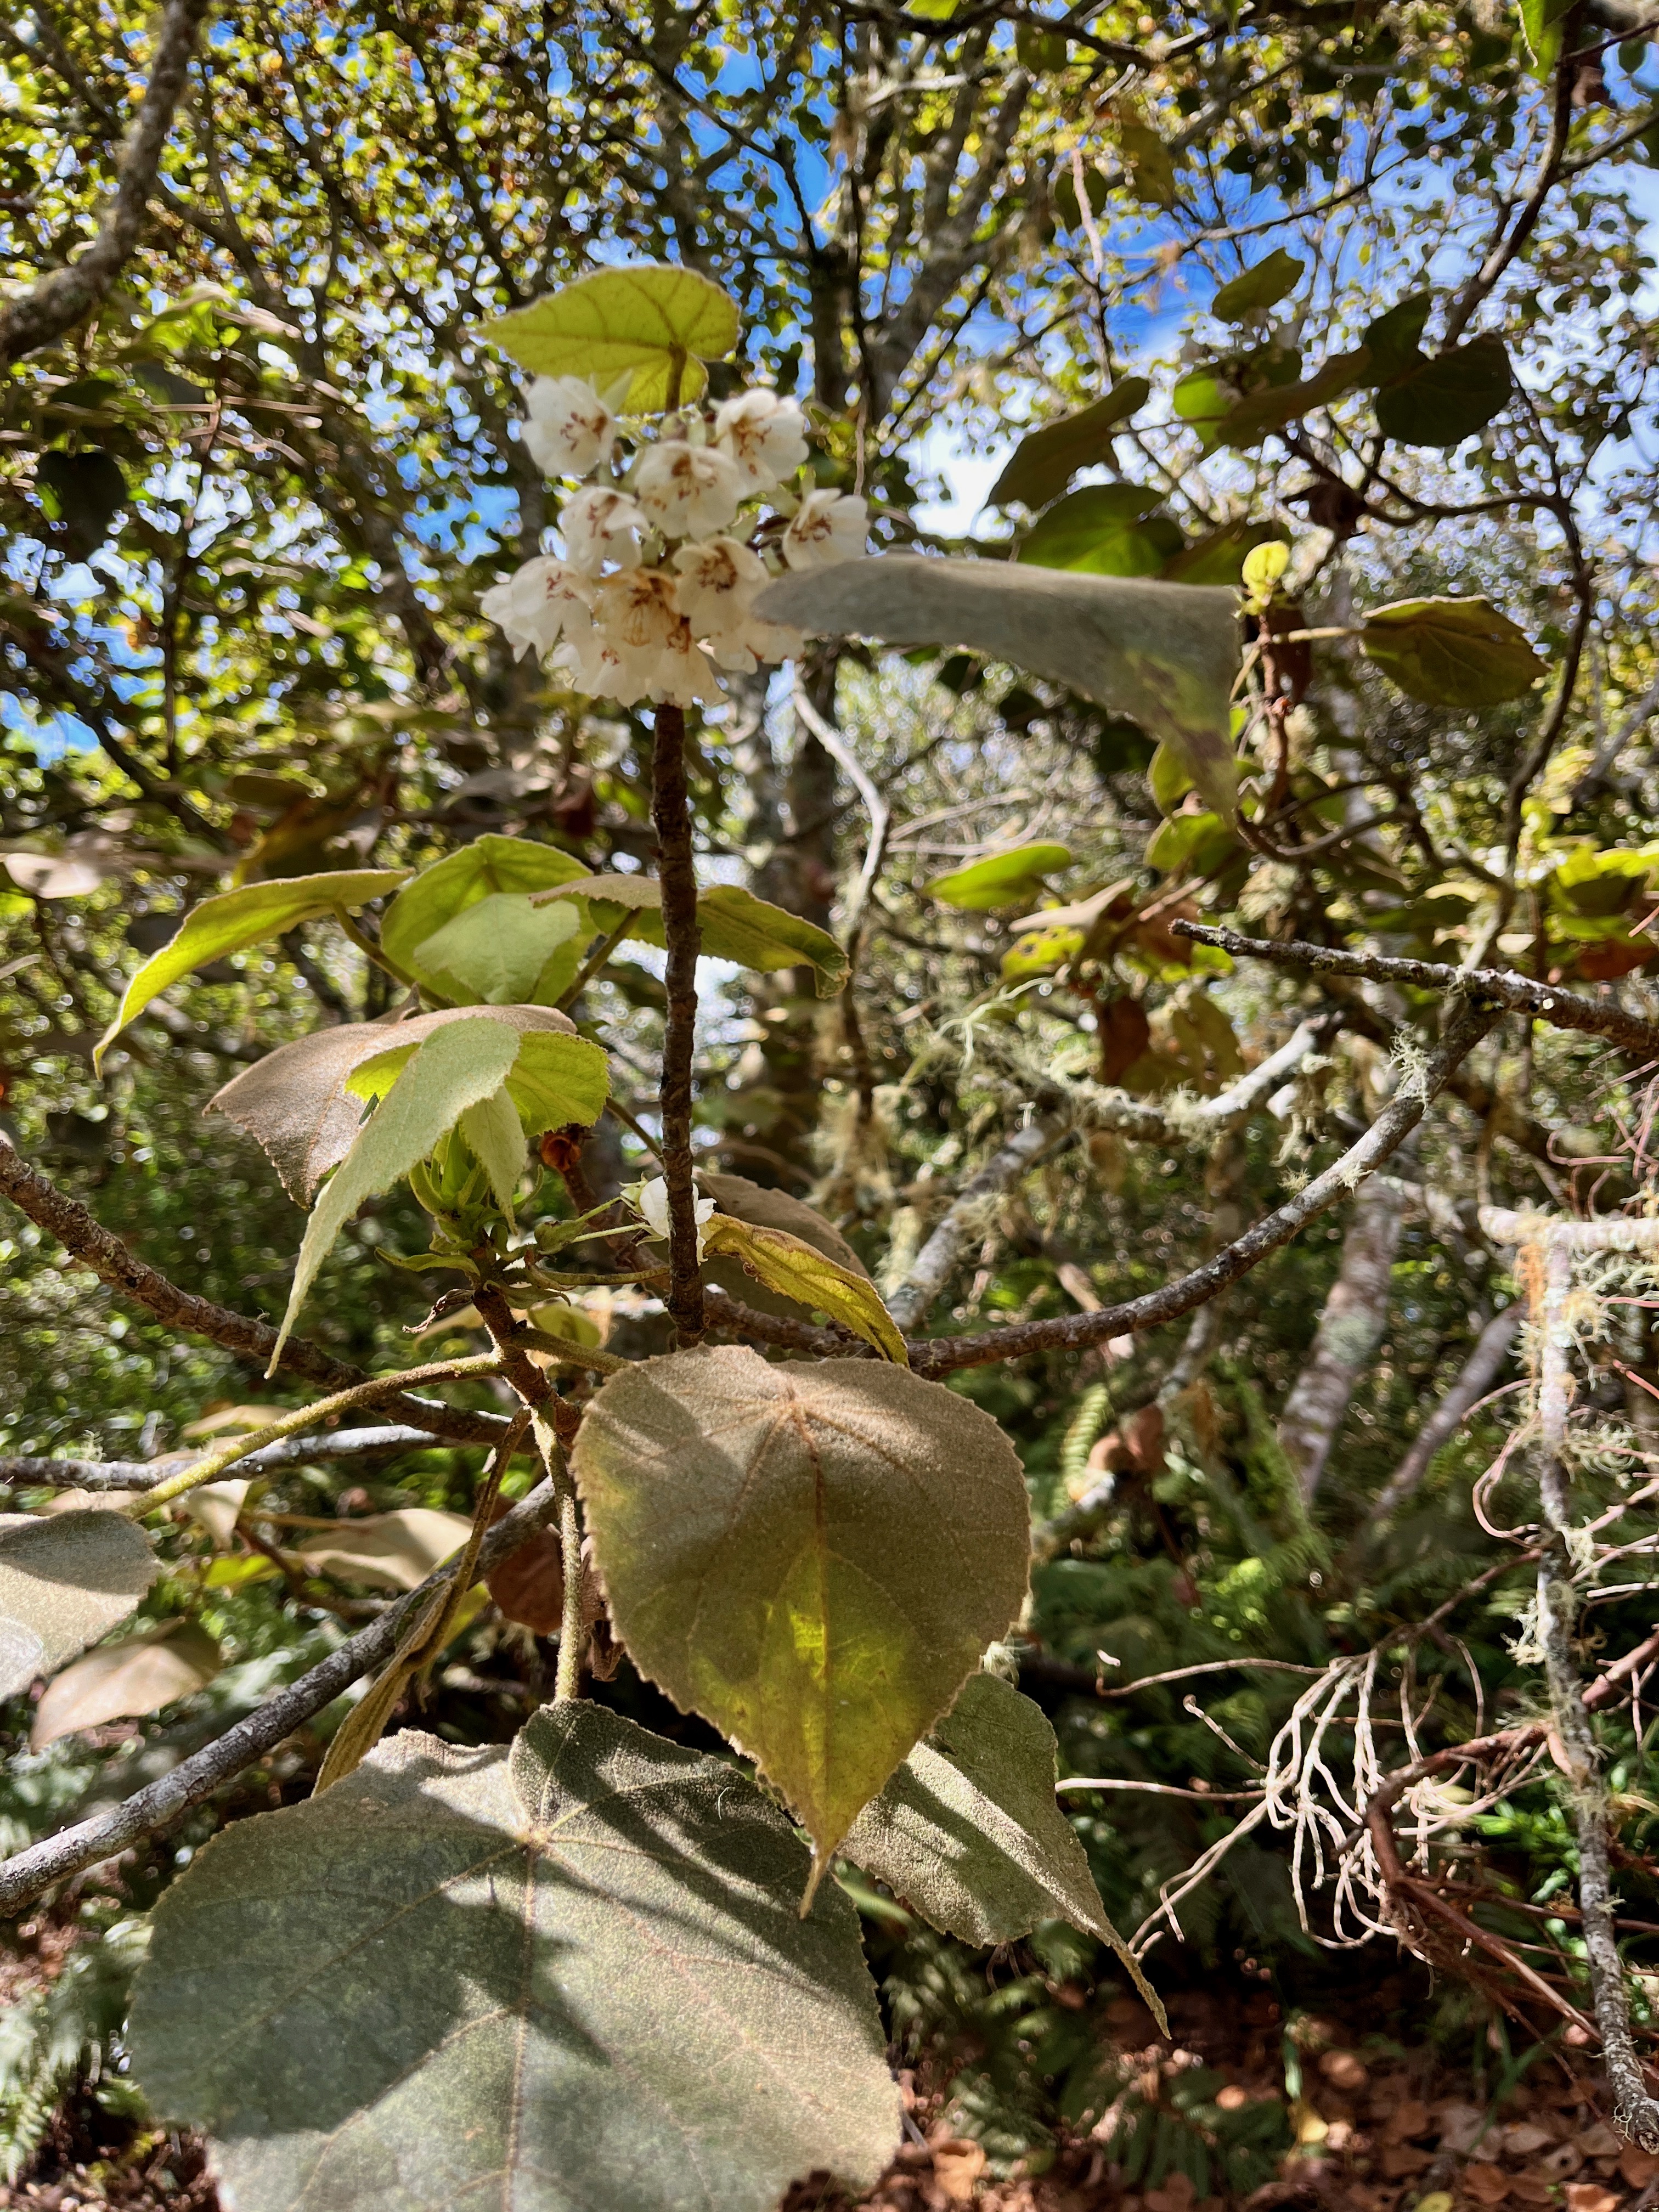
(719, 580)
(831, 527)
(766, 437)
(538, 604)
(641, 646)
(652, 1204)
(568, 427)
(600, 526)
(687, 491)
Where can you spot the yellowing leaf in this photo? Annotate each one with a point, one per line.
(1162, 654)
(66, 1580)
(1010, 878)
(571, 1975)
(255, 914)
(125, 1680)
(812, 1556)
(787, 1264)
(453, 1068)
(662, 323)
(1450, 653)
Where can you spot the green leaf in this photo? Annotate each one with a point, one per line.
(736, 925)
(1541, 27)
(1442, 401)
(1205, 398)
(1103, 531)
(798, 1270)
(1163, 654)
(486, 867)
(1167, 780)
(561, 1979)
(254, 914)
(1010, 878)
(497, 949)
(1192, 844)
(126, 1680)
(1263, 286)
(1045, 461)
(1395, 340)
(1150, 163)
(496, 1136)
(1450, 653)
(660, 322)
(1279, 404)
(299, 1102)
(66, 1580)
(811, 1556)
(556, 1077)
(453, 1068)
(85, 493)
(968, 1834)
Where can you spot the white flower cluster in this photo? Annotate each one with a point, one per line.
(657, 583)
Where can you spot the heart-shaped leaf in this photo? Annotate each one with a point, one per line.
(1010, 878)
(1163, 654)
(254, 914)
(66, 1580)
(1443, 399)
(798, 1271)
(571, 1976)
(486, 868)
(298, 1103)
(455, 1066)
(1263, 286)
(496, 950)
(126, 1680)
(1045, 461)
(969, 1833)
(1450, 653)
(810, 1556)
(658, 322)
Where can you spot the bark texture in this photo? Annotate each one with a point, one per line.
(1350, 1330)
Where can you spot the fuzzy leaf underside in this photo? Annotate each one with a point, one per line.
(568, 1978)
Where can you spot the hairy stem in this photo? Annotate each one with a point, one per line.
(672, 818)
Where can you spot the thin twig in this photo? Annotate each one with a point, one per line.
(1520, 994)
(145, 1474)
(91, 1841)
